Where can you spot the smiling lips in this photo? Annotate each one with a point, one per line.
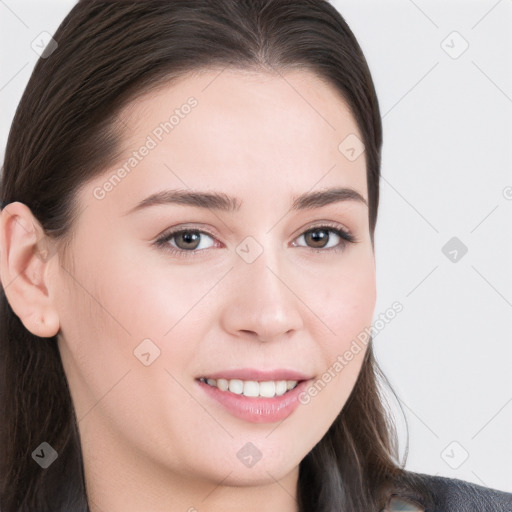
(256, 395)
(265, 401)
(251, 382)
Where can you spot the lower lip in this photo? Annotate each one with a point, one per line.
(257, 409)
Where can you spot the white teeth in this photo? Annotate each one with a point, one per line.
(267, 388)
(280, 387)
(252, 388)
(222, 384)
(236, 386)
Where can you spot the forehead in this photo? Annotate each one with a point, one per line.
(254, 134)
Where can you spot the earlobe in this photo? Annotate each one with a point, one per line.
(25, 257)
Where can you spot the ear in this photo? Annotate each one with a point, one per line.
(25, 258)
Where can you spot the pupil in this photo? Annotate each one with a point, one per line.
(188, 237)
(318, 236)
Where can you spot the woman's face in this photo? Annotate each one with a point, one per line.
(250, 289)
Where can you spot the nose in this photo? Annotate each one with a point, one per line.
(262, 302)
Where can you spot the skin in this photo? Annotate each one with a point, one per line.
(151, 438)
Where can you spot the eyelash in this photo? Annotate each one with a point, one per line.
(162, 242)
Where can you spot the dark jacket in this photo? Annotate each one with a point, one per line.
(453, 495)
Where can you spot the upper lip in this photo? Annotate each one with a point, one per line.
(259, 375)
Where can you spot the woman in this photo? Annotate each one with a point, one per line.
(190, 193)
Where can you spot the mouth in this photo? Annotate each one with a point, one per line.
(253, 388)
(252, 400)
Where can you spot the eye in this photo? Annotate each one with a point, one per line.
(189, 241)
(320, 238)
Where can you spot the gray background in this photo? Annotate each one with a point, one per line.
(446, 173)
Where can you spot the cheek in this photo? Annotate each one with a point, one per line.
(118, 307)
(161, 303)
(349, 316)
(344, 301)
(350, 306)
(346, 307)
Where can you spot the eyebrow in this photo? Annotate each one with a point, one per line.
(223, 202)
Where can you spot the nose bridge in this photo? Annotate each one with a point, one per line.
(258, 267)
(262, 301)
(267, 269)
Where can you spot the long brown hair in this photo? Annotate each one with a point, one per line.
(65, 132)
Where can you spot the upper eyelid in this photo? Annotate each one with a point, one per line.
(320, 224)
(325, 224)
